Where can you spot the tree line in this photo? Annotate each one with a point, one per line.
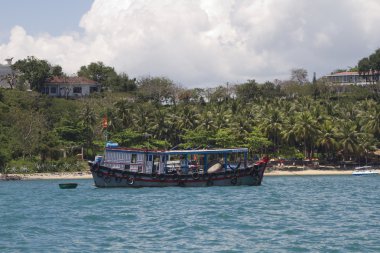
(293, 119)
(369, 67)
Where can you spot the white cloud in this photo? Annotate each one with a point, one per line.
(211, 42)
(322, 40)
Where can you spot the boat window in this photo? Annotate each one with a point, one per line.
(111, 156)
(134, 158)
(215, 158)
(156, 159)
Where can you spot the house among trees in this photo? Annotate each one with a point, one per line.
(69, 87)
(352, 77)
(346, 78)
(366, 72)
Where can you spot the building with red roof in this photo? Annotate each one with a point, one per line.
(351, 77)
(73, 87)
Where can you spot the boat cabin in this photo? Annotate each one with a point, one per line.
(173, 161)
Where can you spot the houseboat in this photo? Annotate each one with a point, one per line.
(128, 167)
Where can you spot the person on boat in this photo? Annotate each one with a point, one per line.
(184, 168)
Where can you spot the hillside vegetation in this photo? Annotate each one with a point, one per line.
(291, 120)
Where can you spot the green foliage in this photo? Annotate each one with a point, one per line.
(88, 122)
(20, 166)
(257, 142)
(62, 165)
(56, 71)
(29, 166)
(156, 89)
(69, 133)
(129, 138)
(33, 71)
(123, 83)
(269, 89)
(155, 144)
(338, 71)
(248, 91)
(29, 128)
(5, 157)
(226, 137)
(220, 94)
(100, 73)
(369, 67)
(291, 119)
(197, 138)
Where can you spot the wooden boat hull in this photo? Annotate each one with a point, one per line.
(106, 177)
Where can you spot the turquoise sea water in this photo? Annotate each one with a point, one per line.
(285, 214)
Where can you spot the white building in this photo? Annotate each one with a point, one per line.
(69, 87)
(347, 78)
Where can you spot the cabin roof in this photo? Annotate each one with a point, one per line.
(207, 151)
(71, 80)
(182, 152)
(345, 73)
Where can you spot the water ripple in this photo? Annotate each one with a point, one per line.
(285, 214)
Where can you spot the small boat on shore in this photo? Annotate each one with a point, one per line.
(364, 171)
(128, 167)
(68, 185)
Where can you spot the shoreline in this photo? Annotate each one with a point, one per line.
(308, 172)
(48, 176)
(87, 175)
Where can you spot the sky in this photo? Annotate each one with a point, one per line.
(195, 43)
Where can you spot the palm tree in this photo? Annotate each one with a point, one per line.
(327, 140)
(88, 120)
(371, 121)
(207, 122)
(306, 131)
(366, 143)
(288, 135)
(348, 138)
(158, 126)
(187, 117)
(123, 111)
(272, 125)
(141, 117)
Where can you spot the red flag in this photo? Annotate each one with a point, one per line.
(105, 122)
(265, 159)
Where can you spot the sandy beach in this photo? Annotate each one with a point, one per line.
(87, 175)
(308, 172)
(39, 176)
